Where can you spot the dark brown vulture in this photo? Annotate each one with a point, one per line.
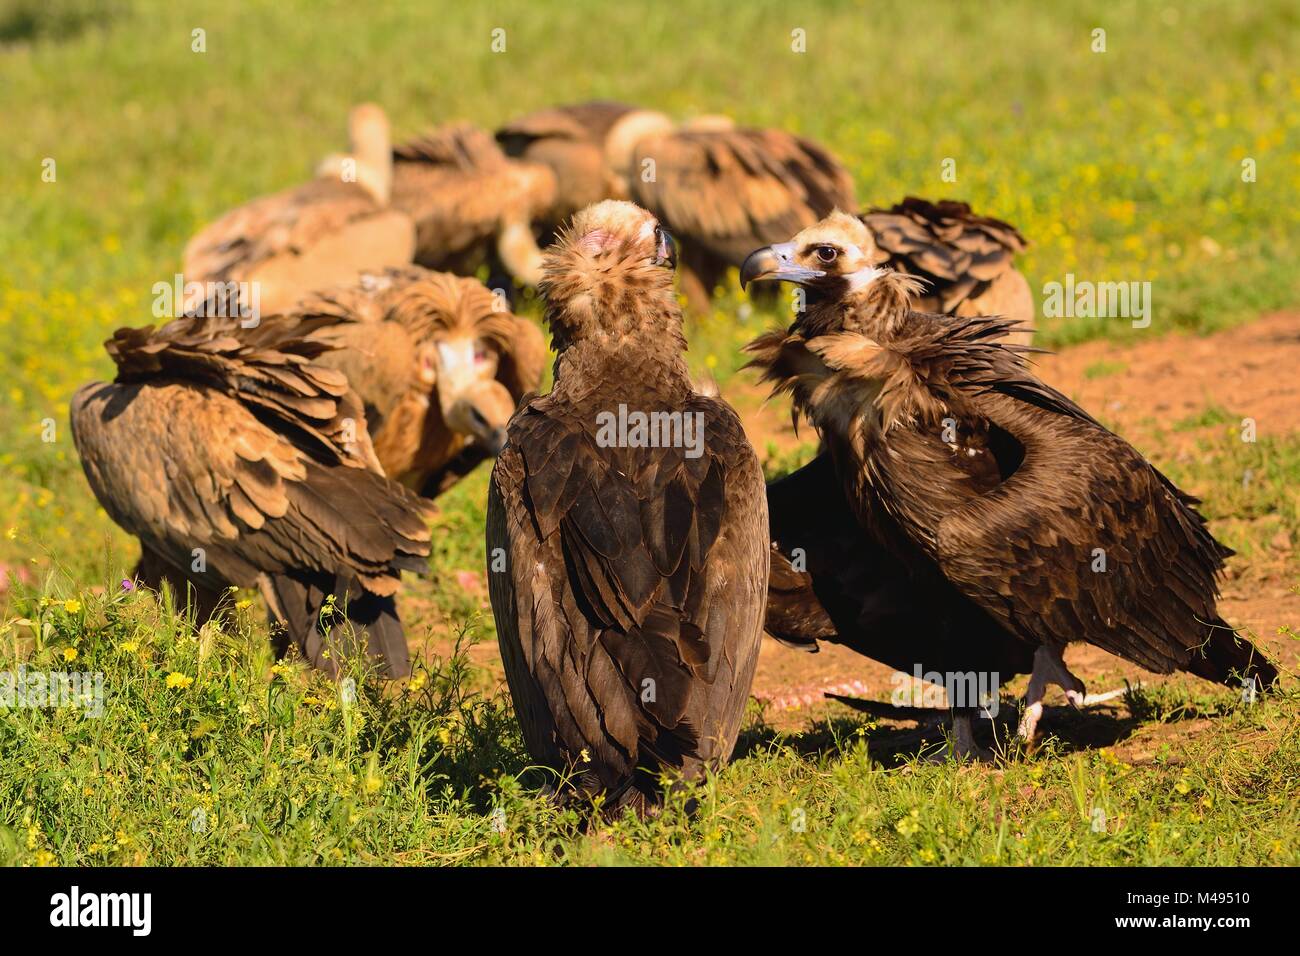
(967, 261)
(470, 203)
(968, 470)
(719, 188)
(237, 459)
(315, 235)
(438, 362)
(627, 562)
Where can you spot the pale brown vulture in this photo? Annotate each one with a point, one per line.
(967, 261)
(237, 459)
(470, 203)
(310, 236)
(439, 363)
(971, 472)
(719, 188)
(570, 140)
(627, 563)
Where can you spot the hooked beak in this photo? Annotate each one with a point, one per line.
(665, 250)
(776, 263)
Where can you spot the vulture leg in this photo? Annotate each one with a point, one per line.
(152, 571)
(963, 735)
(1049, 668)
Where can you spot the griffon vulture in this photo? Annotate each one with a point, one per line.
(237, 459)
(970, 471)
(438, 362)
(720, 188)
(470, 203)
(315, 235)
(633, 560)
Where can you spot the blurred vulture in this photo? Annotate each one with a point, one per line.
(237, 459)
(965, 260)
(985, 485)
(722, 190)
(633, 560)
(438, 363)
(315, 235)
(470, 203)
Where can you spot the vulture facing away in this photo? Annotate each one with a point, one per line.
(315, 235)
(438, 363)
(470, 203)
(970, 472)
(721, 189)
(630, 594)
(237, 459)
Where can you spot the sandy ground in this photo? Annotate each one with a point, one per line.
(1248, 370)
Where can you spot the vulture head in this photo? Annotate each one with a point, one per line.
(834, 260)
(610, 277)
(370, 156)
(464, 335)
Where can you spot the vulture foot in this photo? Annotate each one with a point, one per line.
(1049, 668)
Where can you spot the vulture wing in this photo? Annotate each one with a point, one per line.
(249, 455)
(956, 251)
(1085, 539)
(733, 190)
(630, 608)
(460, 190)
(304, 238)
(589, 122)
(570, 140)
(848, 589)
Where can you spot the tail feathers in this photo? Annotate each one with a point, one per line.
(1230, 659)
(360, 621)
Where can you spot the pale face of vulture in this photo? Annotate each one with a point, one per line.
(439, 363)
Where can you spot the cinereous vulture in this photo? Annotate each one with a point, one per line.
(965, 467)
(314, 235)
(721, 189)
(626, 531)
(237, 459)
(470, 203)
(438, 362)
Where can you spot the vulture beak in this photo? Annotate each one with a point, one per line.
(777, 263)
(665, 250)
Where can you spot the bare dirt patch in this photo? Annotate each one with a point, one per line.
(1137, 390)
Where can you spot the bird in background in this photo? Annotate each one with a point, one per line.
(311, 236)
(472, 205)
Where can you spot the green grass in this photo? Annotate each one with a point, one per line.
(1123, 165)
(233, 761)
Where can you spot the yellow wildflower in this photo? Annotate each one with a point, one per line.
(69, 654)
(72, 606)
(178, 680)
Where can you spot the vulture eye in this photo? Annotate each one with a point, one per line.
(827, 254)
